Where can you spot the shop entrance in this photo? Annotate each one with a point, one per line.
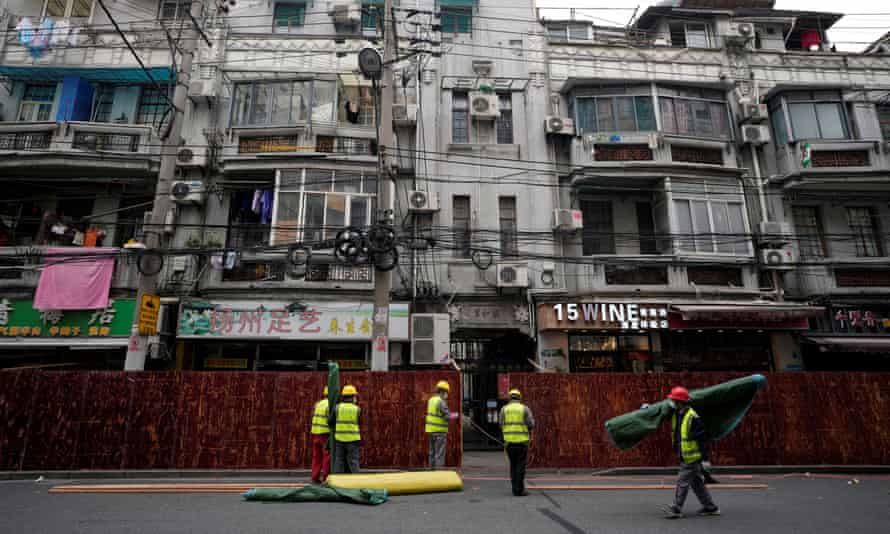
(481, 359)
(610, 353)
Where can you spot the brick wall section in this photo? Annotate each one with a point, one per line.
(799, 419)
(686, 154)
(194, 420)
(840, 158)
(622, 153)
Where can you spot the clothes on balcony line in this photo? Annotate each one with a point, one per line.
(75, 279)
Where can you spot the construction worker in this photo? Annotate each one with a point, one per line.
(321, 455)
(516, 424)
(688, 436)
(437, 417)
(347, 437)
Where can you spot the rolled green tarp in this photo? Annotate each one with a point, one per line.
(721, 408)
(317, 494)
(333, 399)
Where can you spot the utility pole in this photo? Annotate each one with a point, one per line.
(148, 284)
(385, 191)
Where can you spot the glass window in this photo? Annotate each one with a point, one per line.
(460, 117)
(288, 16)
(884, 120)
(299, 100)
(598, 234)
(37, 102)
(324, 94)
(696, 114)
(462, 226)
(507, 218)
(816, 115)
(645, 113)
(281, 101)
(278, 103)
(103, 102)
(701, 222)
(69, 8)
(456, 20)
(808, 230)
(866, 232)
(711, 226)
(777, 119)
(697, 36)
(288, 218)
(175, 9)
(372, 17)
(313, 222)
(614, 113)
(504, 122)
(152, 107)
(684, 225)
(804, 121)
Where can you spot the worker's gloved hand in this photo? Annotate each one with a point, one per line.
(453, 416)
(644, 405)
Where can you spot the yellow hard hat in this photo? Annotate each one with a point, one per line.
(325, 391)
(349, 391)
(443, 385)
(515, 393)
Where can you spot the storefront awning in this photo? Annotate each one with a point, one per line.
(73, 343)
(850, 343)
(109, 75)
(760, 316)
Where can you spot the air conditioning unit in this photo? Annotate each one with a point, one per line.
(512, 274)
(774, 234)
(755, 134)
(779, 259)
(345, 13)
(191, 157)
(423, 202)
(204, 89)
(404, 114)
(484, 105)
(187, 192)
(567, 220)
(754, 112)
(430, 338)
(740, 32)
(559, 125)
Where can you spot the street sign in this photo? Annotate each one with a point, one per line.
(149, 308)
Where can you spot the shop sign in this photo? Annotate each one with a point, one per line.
(482, 315)
(603, 315)
(347, 321)
(18, 318)
(149, 309)
(225, 363)
(864, 321)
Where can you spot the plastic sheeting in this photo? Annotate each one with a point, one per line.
(721, 408)
(317, 494)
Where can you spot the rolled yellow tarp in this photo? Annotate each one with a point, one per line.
(407, 483)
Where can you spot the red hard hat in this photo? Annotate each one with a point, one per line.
(679, 393)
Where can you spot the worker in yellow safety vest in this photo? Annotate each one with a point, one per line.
(437, 417)
(516, 424)
(689, 437)
(347, 437)
(321, 455)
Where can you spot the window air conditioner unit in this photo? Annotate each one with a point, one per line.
(346, 13)
(740, 32)
(430, 338)
(512, 274)
(484, 105)
(778, 259)
(404, 114)
(559, 125)
(423, 202)
(567, 220)
(187, 192)
(754, 112)
(755, 134)
(774, 234)
(191, 157)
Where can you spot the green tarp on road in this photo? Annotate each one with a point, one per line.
(720, 407)
(317, 494)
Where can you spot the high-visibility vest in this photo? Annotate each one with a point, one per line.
(689, 451)
(434, 421)
(320, 418)
(347, 430)
(514, 429)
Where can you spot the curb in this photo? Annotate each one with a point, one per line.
(145, 474)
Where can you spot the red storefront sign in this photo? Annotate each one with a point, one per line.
(738, 321)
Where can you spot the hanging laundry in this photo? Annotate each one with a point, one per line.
(78, 239)
(256, 205)
(73, 38)
(267, 201)
(60, 33)
(25, 27)
(75, 279)
(352, 112)
(91, 237)
(42, 38)
(223, 260)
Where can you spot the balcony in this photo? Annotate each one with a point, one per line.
(840, 277)
(86, 148)
(649, 156)
(270, 270)
(832, 163)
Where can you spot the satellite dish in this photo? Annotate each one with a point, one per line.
(370, 62)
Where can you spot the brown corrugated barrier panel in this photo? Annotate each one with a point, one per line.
(195, 420)
(799, 419)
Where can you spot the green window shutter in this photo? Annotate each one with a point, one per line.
(289, 15)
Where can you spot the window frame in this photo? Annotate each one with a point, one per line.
(463, 114)
(159, 104)
(509, 239)
(874, 229)
(608, 241)
(456, 13)
(253, 88)
(183, 8)
(806, 229)
(883, 113)
(371, 11)
(69, 8)
(35, 113)
(463, 228)
(785, 105)
(289, 27)
(615, 115)
(504, 132)
(713, 238)
(366, 178)
(103, 102)
(708, 33)
(664, 98)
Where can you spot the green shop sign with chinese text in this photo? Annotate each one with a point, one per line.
(18, 318)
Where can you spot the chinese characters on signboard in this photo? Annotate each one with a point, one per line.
(18, 318)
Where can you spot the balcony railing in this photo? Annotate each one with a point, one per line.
(831, 156)
(97, 142)
(75, 138)
(594, 150)
(25, 140)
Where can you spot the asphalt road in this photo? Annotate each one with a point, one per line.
(791, 505)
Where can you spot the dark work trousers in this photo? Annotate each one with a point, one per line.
(438, 442)
(346, 457)
(518, 455)
(692, 475)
